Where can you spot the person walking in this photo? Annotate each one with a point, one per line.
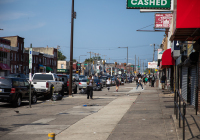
(117, 84)
(163, 79)
(152, 81)
(90, 87)
(108, 82)
(139, 82)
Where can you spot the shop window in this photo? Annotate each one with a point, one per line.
(15, 69)
(15, 57)
(62, 66)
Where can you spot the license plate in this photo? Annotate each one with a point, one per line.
(1, 90)
(84, 87)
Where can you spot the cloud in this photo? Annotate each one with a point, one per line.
(13, 15)
(23, 27)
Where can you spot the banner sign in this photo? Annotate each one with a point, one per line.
(148, 4)
(163, 20)
(4, 48)
(160, 52)
(152, 65)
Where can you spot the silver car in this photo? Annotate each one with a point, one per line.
(83, 84)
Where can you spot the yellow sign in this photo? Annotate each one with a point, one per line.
(156, 69)
(76, 71)
(134, 71)
(149, 72)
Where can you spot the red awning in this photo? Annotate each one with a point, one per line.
(4, 66)
(167, 59)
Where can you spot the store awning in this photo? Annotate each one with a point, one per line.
(48, 69)
(4, 66)
(40, 66)
(167, 59)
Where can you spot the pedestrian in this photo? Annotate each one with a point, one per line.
(117, 84)
(139, 83)
(163, 79)
(152, 81)
(146, 79)
(90, 87)
(108, 82)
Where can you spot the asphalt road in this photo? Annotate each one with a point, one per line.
(46, 116)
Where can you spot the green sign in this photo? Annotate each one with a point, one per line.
(148, 4)
(78, 64)
(85, 64)
(132, 66)
(61, 70)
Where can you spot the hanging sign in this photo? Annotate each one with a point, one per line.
(148, 4)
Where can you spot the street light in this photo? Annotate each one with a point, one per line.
(126, 60)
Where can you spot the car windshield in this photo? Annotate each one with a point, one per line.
(83, 80)
(5, 82)
(43, 77)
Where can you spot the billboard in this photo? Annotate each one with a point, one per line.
(163, 20)
(152, 65)
(148, 4)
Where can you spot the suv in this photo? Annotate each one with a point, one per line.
(65, 79)
(14, 90)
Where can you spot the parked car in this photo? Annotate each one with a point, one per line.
(113, 81)
(46, 84)
(15, 90)
(83, 84)
(65, 79)
(17, 75)
(104, 79)
(98, 85)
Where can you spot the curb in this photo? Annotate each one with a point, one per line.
(175, 122)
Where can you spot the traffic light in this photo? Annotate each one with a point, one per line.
(103, 62)
(115, 63)
(93, 62)
(124, 64)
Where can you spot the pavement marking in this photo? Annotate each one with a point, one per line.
(43, 121)
(39, 129)
(99, 125)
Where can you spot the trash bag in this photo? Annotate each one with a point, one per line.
(56, 97)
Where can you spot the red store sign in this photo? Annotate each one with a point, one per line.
(163, 20)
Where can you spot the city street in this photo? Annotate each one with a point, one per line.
(127, 114)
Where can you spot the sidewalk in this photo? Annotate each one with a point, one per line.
(134, 114)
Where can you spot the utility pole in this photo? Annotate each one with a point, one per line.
(73, 15)
(143, 66)
(109, 60)
(135, 63)
(89, 67)
(138, 63)
(90, 54)
(153, 51)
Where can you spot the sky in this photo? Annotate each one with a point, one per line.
(101, 26)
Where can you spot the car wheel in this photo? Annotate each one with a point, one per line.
(48, 96)
(18, 102)
(75, 90)
(34, 98)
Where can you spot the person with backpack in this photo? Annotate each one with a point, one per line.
(139, 81)
(152, 81)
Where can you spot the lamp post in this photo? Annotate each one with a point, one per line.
(126, 60)
(73, 15)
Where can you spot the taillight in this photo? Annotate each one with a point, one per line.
(98, 83)
(47, 85)
(67, 83)
(79, 83)
(12, 90)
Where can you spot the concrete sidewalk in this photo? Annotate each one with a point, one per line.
(138, 114)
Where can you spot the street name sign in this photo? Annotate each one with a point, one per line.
(30, 58)
(148, 4)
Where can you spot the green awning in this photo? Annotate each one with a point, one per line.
(48, 69)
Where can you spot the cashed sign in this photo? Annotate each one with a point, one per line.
(4, 48)
(148, 4)
(163, 20)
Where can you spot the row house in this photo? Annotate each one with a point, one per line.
(15, 58)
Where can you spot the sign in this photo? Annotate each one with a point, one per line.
(160, 54)
(78, 64)
(4, 48)
(85, 64)
(163, 20)
(30, 58)
(152, 65)
(148, 4)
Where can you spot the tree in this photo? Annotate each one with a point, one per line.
(74, 60)
(61, 56)
(90, 60)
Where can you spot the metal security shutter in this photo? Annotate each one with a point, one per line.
(184, 82)
(193, 85)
